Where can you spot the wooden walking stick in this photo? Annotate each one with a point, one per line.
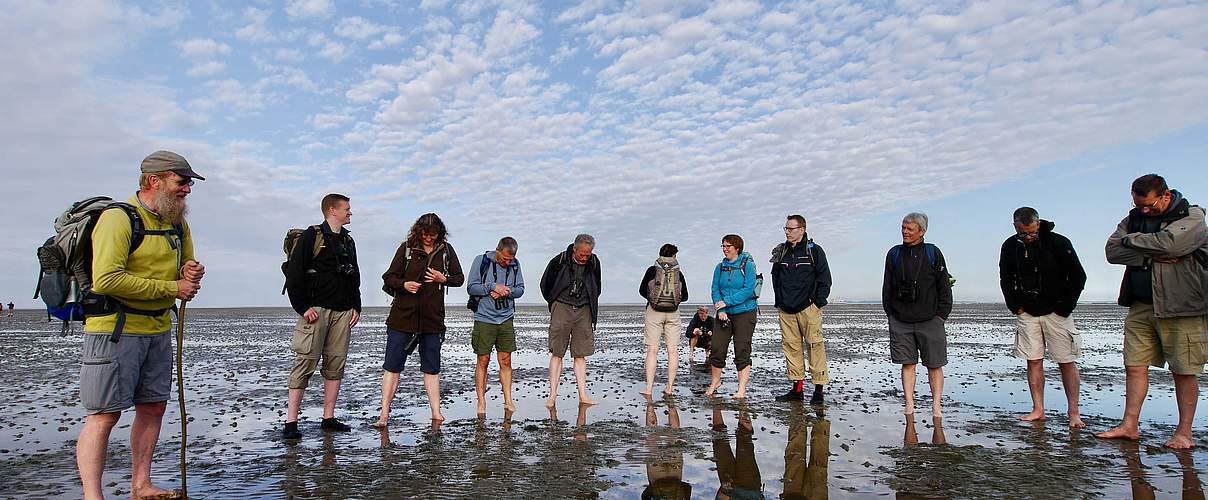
(180, 392)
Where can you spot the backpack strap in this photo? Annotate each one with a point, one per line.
(319, 243)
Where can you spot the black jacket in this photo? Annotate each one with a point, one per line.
(318, 281)
(424, 310)
(556, 279)
(1042, 277)
(800, 276)
(705, 325)
(934, 291)
(644, 287)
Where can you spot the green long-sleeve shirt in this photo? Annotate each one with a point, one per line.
(145, 279)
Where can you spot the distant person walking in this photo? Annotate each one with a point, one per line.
(10, 309)
(424, 265)
(1041, 280)
(1164, 244)
(664, 288)
(917, 296)
(571, 287)
(733, 294)
(700, 332)
(136, 370)
(496, 280)
(802, 281)
(325, 290)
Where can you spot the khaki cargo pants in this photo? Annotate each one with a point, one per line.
(327, 338)
(801, 338)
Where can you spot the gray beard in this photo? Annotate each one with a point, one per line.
(172, 210)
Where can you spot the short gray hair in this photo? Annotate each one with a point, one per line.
(1025, 216)
(507, 244)
(585, 239)
(916, 218)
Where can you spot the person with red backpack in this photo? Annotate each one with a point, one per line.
(127, 349)
(664, 288)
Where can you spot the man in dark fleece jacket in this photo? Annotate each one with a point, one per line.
(917, 296)
(325, 289)
(1041, 280)
(571, 287)
(802, 281)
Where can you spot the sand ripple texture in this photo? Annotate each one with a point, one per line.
(684, 446)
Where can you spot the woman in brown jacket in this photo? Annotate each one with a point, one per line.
(422, 267)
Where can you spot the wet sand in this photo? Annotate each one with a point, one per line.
(685, 445)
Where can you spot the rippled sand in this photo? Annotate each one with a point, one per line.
(686, 445)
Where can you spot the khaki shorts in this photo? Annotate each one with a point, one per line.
(326, 338)
(1035, 334)
(570, 326)
(1180, 342)
(662, 324)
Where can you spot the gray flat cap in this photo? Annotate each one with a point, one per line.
(167, 161)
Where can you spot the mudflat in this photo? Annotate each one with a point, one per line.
(685, 445)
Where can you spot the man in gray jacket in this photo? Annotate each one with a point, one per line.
(1164, 243)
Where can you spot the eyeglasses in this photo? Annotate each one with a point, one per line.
(727, 245)
(185, 181)
(789, 228)
(1151, 205)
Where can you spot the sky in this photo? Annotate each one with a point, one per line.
(638, 122)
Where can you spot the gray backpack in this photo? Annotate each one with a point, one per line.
(663, 291)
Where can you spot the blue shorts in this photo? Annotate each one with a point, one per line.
(429, 351)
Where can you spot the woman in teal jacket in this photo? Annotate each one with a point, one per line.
(734, 298)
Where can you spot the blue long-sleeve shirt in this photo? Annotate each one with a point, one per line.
(482, 283)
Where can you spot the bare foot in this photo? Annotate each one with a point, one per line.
(1076, 421)
(482, 407)
(908, 410)
(438, 417)
(646, 391)
(1035, 416)
(380, 424)
(585, 401)
(152, 492)
(1180, 442)
(937, 413)
(709, 392)
(740, 395)
(509, 405)
(668, 391)
(1120, 433)
(549, 402)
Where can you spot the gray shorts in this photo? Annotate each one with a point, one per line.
(136, 370)
(909, 341)
(570, 326)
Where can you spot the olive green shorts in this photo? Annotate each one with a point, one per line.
(501, 337)
(1180, 342)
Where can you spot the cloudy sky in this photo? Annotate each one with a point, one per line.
(639, 122)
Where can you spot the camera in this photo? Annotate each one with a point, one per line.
(501, 303)
(576, 289)
(907, 291)
(346, 269)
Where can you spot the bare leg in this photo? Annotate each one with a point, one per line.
(744, 375)
(389, 387)
(91, 449)
(1136, 385)
(294, 405)
(480, 381)
(1186, 391)
(1069, 381)
(691, 351)
(1036, 387)
(672, 366)
(432, 387)
(935, 377)
(715, 382)
(652, 353)
(331, 392)
(148, 418)
(555, 378)
(581, 381)
(908, 380)
(505, 380)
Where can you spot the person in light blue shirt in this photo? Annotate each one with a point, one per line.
(496, 283)
(737, 306)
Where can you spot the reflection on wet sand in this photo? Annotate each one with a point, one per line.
(937, 431)
(1143, 489)
(807, 479)
(737, 470)
(664, 465)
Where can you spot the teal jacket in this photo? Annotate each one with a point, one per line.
(734, 283)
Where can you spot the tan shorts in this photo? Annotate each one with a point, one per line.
(326, 338)
(1181, 342)
(1035, 334)
(662, 324)
(571, 327)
